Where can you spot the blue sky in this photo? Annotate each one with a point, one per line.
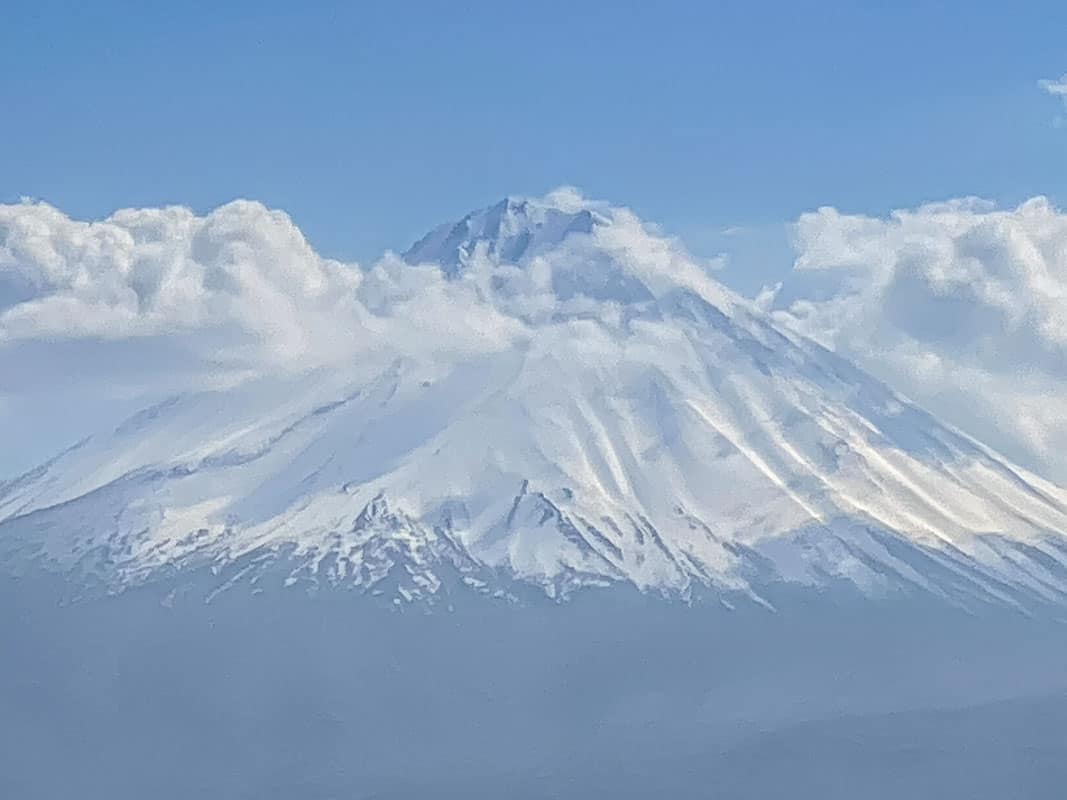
(370, 123)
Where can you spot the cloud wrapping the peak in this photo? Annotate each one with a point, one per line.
(163, 300)
(960, 305)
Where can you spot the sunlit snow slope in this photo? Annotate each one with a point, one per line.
(632, 422)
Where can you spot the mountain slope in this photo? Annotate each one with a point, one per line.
(642, 425)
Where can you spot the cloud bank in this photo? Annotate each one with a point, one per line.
(96, 317)
(243, 277)
(237, 290)
(960, 305)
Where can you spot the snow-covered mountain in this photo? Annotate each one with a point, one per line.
(639, 424)
(512, 231)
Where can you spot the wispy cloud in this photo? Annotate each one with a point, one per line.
(1056, 88)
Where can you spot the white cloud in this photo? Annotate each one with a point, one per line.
(239, 288)
(960, 305)
(1056, 88)
(96, 316)
(243, 272)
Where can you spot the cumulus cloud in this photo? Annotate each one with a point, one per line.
(243, 272)
(238, 288)
(961, 305)
(107, 314)
(100, 316)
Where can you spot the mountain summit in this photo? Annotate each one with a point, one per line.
(513, 230)
(638, 425)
